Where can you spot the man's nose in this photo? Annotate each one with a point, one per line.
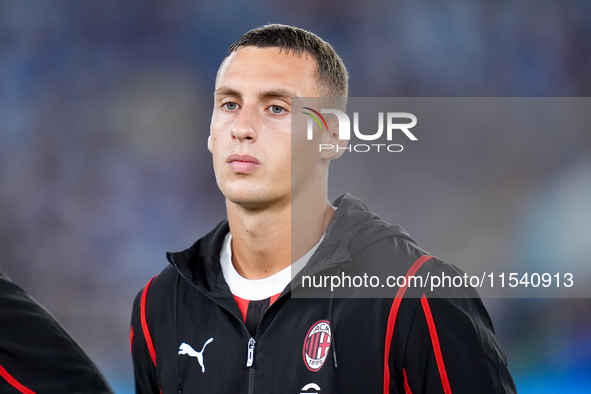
(244, 127)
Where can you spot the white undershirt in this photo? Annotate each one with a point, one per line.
(259, 289)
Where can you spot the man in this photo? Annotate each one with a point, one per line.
(36, 354)
(221, 318)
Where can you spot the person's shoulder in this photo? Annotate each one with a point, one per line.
(383, 237)
(155, 300)
(159, 285)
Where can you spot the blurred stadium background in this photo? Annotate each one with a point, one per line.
(104, 115)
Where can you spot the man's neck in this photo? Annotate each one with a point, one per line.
(266, 241)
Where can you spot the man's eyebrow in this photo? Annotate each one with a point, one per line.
(226, 92)
(279, 93)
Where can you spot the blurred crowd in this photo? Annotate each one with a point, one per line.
(104, 116)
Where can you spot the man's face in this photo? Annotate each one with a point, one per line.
(251, 124)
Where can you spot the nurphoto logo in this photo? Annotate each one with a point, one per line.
(394, 124)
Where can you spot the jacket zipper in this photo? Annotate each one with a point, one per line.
(250, 353)
(249, 361)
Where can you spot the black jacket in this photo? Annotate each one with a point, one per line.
(188, 334)
(36, 354)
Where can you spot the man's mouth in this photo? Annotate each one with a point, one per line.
(243, 163)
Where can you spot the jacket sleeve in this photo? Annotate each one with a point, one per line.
(36, 354)
(451, 347)
(144, 359)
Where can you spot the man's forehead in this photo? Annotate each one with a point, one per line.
(276, 52)
(271, 65)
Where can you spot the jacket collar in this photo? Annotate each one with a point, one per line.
(352, 228)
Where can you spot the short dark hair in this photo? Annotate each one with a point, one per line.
(332, 74)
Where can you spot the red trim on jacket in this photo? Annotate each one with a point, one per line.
(13, 382)
(242, 305)
(392, 318)
(406, 386)
(147, 335)
(436, 347)
(274, 298)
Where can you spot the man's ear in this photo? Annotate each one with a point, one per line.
(209, 143)
(332, 147)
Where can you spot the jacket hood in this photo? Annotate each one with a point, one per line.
(352, 229)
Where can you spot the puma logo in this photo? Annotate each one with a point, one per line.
(185, 348)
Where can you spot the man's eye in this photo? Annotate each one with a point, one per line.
(231, 106)
(277, 109)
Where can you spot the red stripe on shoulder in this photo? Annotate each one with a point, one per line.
(13, 382)
(436, 347)
(392, 318)
(145, 329)
(131, 340)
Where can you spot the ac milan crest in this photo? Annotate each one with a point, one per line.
(317, 345)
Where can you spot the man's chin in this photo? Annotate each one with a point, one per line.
(253, 201)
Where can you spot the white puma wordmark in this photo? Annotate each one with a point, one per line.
(185, 348)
